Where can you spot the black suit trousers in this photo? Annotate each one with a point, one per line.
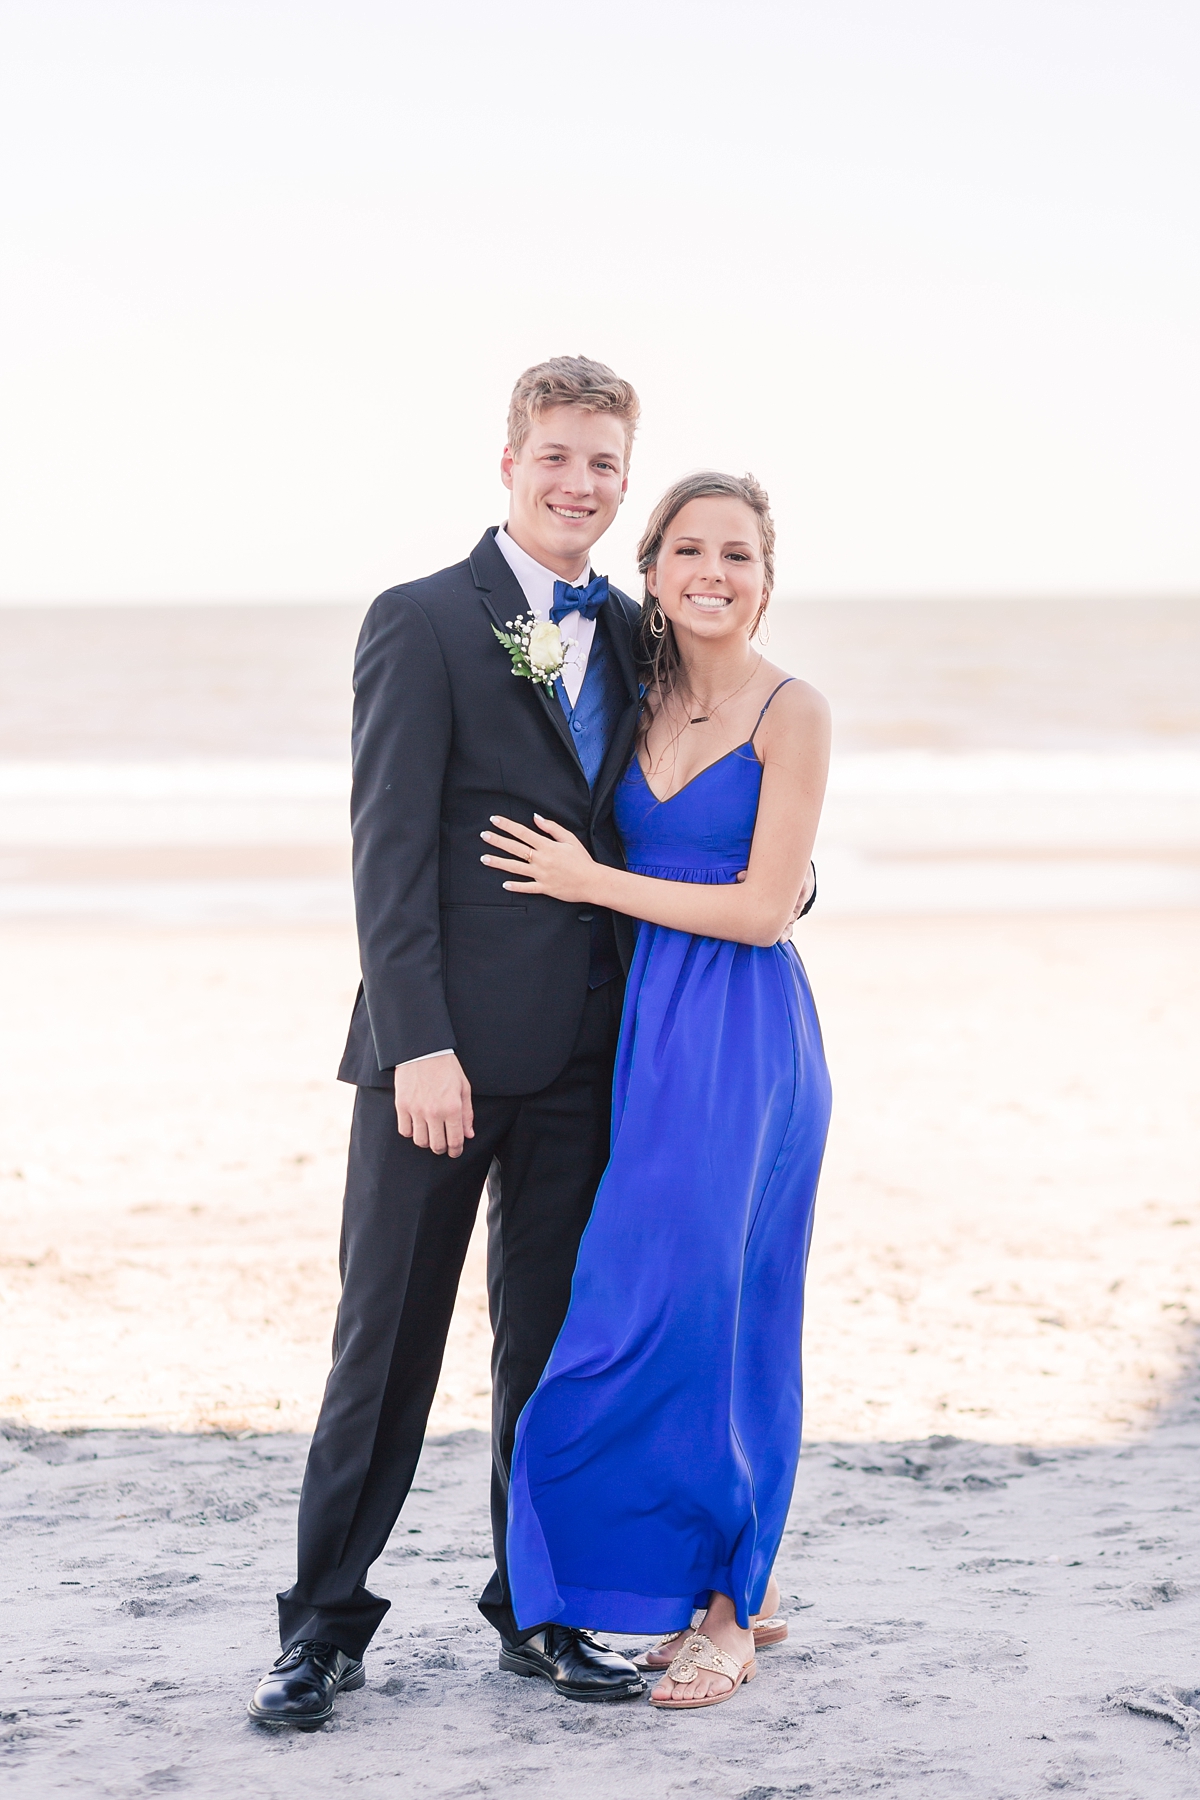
(407, 1221)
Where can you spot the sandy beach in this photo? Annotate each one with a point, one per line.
(994, 1529)
(966, 1620)
(270, 275)
(1007, 1219)
(993, 1539)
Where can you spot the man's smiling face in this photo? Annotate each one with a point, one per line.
(566, 483)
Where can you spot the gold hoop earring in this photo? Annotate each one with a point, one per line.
(657, 622)
(762, 629)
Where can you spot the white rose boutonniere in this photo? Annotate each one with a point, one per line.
(536, 649)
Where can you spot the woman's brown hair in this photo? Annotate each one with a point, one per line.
(658, 653)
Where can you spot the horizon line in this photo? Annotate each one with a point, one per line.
(915, 596)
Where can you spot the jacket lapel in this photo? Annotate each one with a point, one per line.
(622, 643)
(495, 579)
(620, 638)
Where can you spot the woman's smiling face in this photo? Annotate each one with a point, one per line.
(708, 578)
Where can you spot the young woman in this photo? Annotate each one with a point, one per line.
(654, 1464)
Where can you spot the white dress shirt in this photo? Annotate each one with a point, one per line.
(537, 585)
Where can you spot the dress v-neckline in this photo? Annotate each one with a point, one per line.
(736, 751)
(666, 801)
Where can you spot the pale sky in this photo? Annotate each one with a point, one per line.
(930, 268)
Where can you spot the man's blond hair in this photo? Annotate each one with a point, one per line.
(571, 381)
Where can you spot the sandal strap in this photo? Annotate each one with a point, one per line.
(701, 1653)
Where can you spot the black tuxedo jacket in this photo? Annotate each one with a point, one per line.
(444, 736)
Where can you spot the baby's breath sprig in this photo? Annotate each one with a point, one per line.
(535, 648)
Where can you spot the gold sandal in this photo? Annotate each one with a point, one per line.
(766, 1631)
(701, 1653)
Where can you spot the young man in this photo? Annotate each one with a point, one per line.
(483, 1037)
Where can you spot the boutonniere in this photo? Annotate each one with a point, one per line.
(536, 649)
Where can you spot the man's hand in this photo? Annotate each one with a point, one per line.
(810, 882)
(802, 899)
(433, 1104)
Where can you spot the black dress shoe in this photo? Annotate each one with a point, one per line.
(301, 1686)
(573, 1662)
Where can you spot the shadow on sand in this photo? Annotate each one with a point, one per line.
(967, 1619)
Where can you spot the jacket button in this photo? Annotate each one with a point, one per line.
(585, 918)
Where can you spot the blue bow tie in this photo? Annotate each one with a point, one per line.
(587, 601)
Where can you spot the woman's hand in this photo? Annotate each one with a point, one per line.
(552, 858)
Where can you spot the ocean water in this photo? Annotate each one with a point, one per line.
(189, 764)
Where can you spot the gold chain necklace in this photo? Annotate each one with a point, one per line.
(704, 718)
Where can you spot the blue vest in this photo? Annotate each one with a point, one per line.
(594, 715)
(593, 719)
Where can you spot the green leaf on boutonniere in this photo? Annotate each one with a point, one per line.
(535, 649)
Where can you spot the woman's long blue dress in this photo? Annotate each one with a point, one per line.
(656, 1459)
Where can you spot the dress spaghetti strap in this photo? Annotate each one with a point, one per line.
(762, 715)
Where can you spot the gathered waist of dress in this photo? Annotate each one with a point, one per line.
(712, 874)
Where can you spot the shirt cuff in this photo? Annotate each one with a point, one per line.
(428, 1057)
